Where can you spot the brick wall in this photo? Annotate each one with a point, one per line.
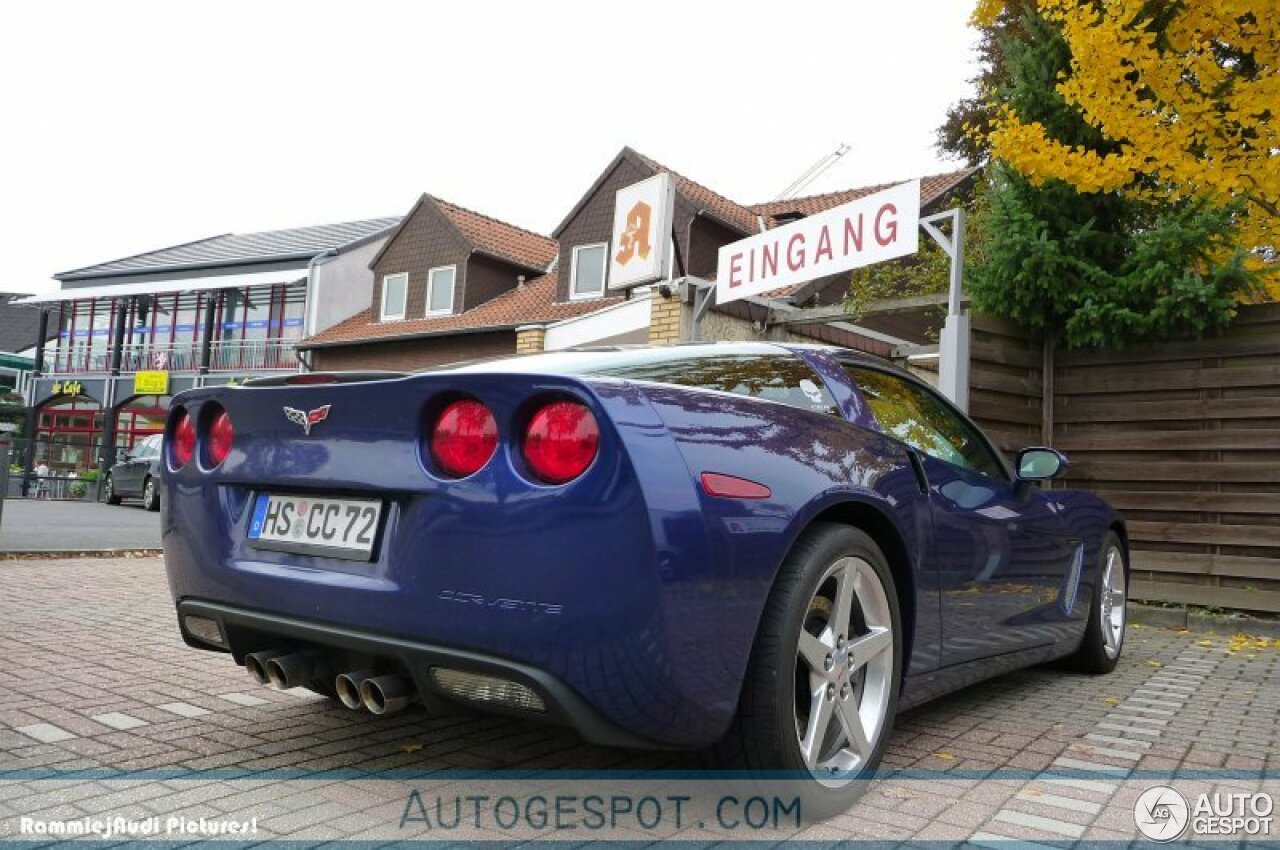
(415, 354)
(665, 319)
(530, 339)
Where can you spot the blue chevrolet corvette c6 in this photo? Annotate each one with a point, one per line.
(759, 549)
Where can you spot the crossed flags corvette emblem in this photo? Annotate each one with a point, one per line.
(307, 418)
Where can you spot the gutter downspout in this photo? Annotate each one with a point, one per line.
(312, 303)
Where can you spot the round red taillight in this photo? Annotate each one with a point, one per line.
(183, 441)
(221, 436)
(464, 438)
(561, 441)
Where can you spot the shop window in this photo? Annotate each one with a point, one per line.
(586, 277)
(440, 290)
(394, 293)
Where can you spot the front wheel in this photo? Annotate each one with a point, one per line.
(821, 688)
(150, 496)
(109, 492)
(1099, 652)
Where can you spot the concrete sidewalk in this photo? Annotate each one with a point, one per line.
(34, 525)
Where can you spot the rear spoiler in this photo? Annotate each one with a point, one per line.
(303, 379)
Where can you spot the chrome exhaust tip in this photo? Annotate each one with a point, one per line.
(347, 686)
(386, 694)
(292, 671)
(256, 664)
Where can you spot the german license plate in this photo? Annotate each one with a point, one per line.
(315, 525)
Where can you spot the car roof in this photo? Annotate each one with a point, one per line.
(585, 359)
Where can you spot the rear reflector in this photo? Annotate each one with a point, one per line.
(183, 444)
(204, 629)
(488, 689)
(730, 487)
(561, 441)
(464, 438)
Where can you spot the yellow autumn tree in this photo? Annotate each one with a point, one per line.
(1188, 91)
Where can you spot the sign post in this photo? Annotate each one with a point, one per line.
(953, 344)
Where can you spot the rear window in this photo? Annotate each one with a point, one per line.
(757, 370)
(780, 378)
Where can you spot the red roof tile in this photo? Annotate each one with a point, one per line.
(532, 303)
(506, 241)
(932, 188)
(726, 210)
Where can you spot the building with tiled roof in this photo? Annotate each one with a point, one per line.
(452, 284)
(126, 335)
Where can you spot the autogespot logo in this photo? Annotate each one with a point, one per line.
(1161, 813)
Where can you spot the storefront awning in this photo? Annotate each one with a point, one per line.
(157, 287)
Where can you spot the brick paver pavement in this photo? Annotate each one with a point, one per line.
(104, 713)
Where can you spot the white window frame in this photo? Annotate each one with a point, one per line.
(453, 287)
(574, 295)
(404, 305)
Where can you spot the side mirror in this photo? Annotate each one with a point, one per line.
(1041, 463)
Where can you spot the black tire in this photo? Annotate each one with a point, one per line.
(150, 495)
(763, 735)
(109, 492)
(1094, 655)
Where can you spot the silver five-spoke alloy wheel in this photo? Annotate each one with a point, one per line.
(844, 672)
(1112, 600)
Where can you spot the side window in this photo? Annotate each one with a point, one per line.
(587, 272)
(923, 421)
(782, 378)
(440, 290)
(395, 290)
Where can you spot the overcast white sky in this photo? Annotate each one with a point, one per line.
(129, 126)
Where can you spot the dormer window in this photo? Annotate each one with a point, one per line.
(586, 277)
(440, 290)
(395, 291)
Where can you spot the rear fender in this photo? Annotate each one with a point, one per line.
(811, 463)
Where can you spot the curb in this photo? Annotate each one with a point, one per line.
(1197, 621)
(52, 554)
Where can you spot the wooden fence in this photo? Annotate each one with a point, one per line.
(1183, 438)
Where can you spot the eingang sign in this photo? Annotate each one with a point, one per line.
(869, 230)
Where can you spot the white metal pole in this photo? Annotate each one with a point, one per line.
(953, 347)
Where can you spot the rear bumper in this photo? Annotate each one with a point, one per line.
(248, 631)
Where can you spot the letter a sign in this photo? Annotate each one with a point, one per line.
(869, 230)
(641, 232)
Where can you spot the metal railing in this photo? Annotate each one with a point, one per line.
(231, 356)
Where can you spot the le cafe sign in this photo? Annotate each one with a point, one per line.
(870, 230)
(144, 383)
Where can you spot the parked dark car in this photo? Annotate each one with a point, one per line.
(767, 550)
(136, 475)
